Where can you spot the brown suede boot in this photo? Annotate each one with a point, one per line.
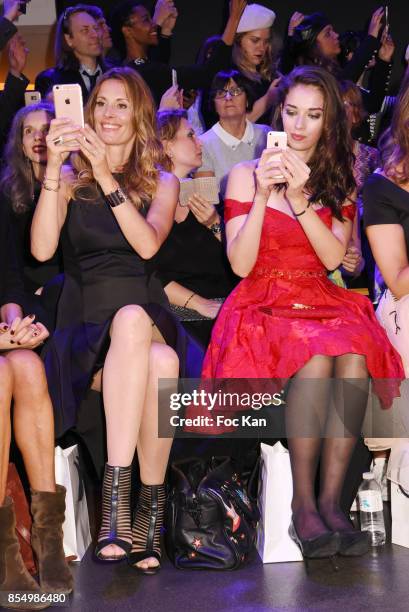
(48, 511)
(13, 573)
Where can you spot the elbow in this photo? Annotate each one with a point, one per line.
(240, 270)
(333, 263)
(147, 252)
(398, 291)
(40, 253)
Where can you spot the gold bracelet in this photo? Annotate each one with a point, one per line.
(50, 188)
(188, 300)
(47, 178)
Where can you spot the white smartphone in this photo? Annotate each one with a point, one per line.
(174, 78)
(32, 97)
(276, 140)
(68, 103)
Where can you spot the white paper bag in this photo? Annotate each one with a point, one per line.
(398, 473)
(77, 535)
(275, 492)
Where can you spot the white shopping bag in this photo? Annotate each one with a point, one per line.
(77, 535)
(398, 473)
(275, 492)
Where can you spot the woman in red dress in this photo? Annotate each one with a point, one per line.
(287, 320)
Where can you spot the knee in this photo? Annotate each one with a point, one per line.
(351, 365)
(131, 324)
(164, 360)
(28, 370)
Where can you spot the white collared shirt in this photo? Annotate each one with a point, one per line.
(230, 140)
(86, 73)
(221, 151)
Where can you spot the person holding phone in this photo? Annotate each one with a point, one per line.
(191, 263)
(23, 381)
(312, 40)
(112, 208)
(134, 33)
(286, 320)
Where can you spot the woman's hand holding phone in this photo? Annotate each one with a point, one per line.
(296, 174)
(92, 147)
(62, 139)
(267, 172)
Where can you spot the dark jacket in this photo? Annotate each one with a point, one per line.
(59, 76)
(11, 100)
(7, 31)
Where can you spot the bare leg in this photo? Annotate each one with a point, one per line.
(6, 387)
(153, 452)
(351, 402)
(124, 381)
(33, 418)
(306, 412)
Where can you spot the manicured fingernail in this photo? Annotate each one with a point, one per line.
(19, 343)
(12, 332)
(12, 342)
(32, 316)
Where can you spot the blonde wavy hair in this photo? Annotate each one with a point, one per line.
(394, 143)
(266, 69)
(141, 171)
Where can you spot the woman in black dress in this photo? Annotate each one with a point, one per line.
(113, 209)
(22, 380)
(386, 218)
(20, 186)
(191, 263)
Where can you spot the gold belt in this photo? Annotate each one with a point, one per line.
(287, 274)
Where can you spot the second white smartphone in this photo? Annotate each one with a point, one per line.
(32, 97)
(276, 140)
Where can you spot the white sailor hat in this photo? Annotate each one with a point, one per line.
(255, 17)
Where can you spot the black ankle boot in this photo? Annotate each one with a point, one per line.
(146, 527)
(116, 512)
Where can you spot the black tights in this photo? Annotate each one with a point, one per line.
(326, 404)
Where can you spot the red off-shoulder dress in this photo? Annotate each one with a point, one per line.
(287, 310)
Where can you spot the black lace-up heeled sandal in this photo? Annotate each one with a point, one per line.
(116, 513)
(146, 527)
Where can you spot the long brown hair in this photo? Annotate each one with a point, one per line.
(265, 70)
(17, 178)
(331, 180)
(141, 171)
(394, 143)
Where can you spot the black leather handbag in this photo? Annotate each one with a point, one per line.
(211, 520)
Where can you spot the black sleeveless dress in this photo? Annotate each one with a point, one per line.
(102, 274)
